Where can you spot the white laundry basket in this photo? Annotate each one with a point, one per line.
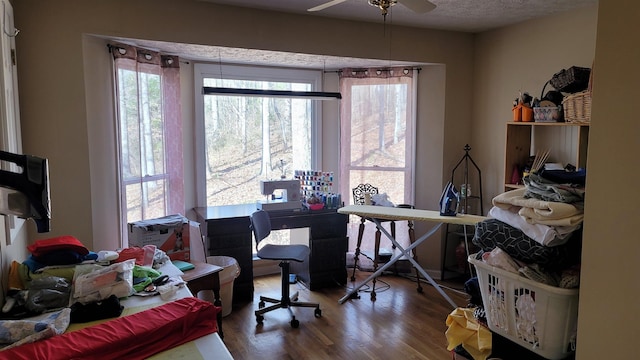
(230, 271)
(539, 317)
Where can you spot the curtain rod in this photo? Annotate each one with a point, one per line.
(312, 95)
(374, 67)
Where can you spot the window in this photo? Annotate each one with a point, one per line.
(246, 139)
(377, 132)
(149, 133)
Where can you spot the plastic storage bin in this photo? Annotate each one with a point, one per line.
(547, 114)
(230, 271)
(536, 316)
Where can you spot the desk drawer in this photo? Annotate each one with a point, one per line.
(237, 225)
(326, 267)
(328, 254)
(330, 226)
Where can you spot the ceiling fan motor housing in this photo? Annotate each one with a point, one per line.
(383, 5)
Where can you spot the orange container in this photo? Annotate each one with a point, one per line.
(527, 114)
(517, 113)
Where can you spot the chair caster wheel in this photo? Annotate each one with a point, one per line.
(259, 319)
(419, 290)
(295, 323)
(373, 296)
(261, 304)
(318, 313)
(353, 278)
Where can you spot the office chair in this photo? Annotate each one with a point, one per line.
(362, 196)
(261, 227)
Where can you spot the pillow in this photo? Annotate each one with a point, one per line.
(492, 233)
(66, 242)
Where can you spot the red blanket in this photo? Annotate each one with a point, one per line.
(136, 336)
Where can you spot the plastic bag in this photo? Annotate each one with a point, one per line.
(98, 283)
(48, 293)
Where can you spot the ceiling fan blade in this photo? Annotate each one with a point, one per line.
(326, 5)
(419, 6)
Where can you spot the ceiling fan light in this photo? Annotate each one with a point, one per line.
(383, 5)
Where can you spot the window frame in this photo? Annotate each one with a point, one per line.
(143, 178)
(256, 73)
(409, 168)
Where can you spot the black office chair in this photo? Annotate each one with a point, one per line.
(261, 226)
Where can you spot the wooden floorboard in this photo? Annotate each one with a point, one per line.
(400, 324)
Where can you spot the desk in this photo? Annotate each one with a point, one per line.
(205, 277)
(227, 231)
(378, 213)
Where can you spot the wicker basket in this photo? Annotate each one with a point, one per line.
(577, 107)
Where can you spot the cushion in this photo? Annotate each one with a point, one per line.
(492, 233)
(65, 242)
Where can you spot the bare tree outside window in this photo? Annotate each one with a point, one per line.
(248, 138)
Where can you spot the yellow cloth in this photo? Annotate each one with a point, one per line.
(464, 329)
(15, 281)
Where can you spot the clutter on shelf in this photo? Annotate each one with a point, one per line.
(570, 101)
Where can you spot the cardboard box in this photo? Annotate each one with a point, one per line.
(171, 234)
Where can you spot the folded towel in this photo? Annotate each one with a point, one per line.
(539, 211)
(543, 234)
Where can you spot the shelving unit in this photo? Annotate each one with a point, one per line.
(568, 143)
(470, 203)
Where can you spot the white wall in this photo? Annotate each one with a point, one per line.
(610, 286)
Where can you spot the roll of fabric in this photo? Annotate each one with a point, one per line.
(136, 336)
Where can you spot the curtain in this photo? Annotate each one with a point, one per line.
(377, 139)
(149, 132)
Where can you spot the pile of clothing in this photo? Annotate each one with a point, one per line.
(62, 283)
(539, 229)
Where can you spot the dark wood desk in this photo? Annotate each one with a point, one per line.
(227, 231)
(205, 277)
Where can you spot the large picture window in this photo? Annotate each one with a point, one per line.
(246, 139)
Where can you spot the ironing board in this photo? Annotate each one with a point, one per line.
(377, 213)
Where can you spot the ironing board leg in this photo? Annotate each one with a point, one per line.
(403, 252)
(412, 239)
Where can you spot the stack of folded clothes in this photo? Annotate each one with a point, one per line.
(539, 227)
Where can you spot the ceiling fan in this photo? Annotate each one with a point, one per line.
(418, 6)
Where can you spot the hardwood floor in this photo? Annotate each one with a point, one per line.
(400, 324)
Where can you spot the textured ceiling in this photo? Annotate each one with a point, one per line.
(456, 15)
